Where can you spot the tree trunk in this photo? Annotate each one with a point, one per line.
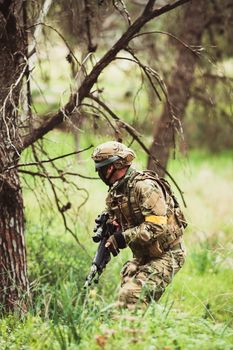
(13, 271)
(192, 28)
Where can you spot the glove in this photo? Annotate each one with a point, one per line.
(115, 243)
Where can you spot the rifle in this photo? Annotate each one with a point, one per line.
(103, 231)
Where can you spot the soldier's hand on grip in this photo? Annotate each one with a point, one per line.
(115, 243)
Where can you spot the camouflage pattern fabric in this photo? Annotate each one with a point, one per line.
(129, 202)
(143, 282)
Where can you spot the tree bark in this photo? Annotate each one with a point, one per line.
(192, 28)
(13, 271)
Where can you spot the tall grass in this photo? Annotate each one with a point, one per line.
(194, 313)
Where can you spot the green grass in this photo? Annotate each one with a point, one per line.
(194, 313)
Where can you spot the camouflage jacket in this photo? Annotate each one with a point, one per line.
(148, 214)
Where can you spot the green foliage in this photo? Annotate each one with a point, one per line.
(204, 260)
(158, 327)
(194, 313)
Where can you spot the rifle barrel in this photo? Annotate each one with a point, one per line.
(91, 275)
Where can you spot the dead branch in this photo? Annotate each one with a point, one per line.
(60, 177)
(121, 7)
(128, 127)
(148, 71)
(149, 7)
(195, 50)
(71, 53)
(62, 208)
(47, 160)
(77, 98)
(101, 112)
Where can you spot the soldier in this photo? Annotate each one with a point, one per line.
(148, 219)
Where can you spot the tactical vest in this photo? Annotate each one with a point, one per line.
(122, 206)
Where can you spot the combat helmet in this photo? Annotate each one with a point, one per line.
(112, 152)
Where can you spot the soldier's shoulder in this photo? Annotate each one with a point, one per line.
(142, 177)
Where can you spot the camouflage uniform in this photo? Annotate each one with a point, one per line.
(152, 224)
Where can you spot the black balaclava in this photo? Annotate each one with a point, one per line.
(102, 172)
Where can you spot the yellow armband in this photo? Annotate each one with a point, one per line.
(159, 220)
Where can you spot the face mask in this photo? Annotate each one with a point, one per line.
(104, 176)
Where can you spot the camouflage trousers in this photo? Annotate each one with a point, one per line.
(146, 281)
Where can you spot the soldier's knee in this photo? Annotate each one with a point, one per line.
(129, 293)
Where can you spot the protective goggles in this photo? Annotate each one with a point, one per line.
(104, 162)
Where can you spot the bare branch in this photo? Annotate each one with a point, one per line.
(62, 208)
(148, 71)
(71, 53)
(128, 127)
(76, 99)
(59, 177)
(121, 7)
(152, 73)
(101, 112)
(149, 7)
(47, 160)
(160, 11)
(194, 50)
